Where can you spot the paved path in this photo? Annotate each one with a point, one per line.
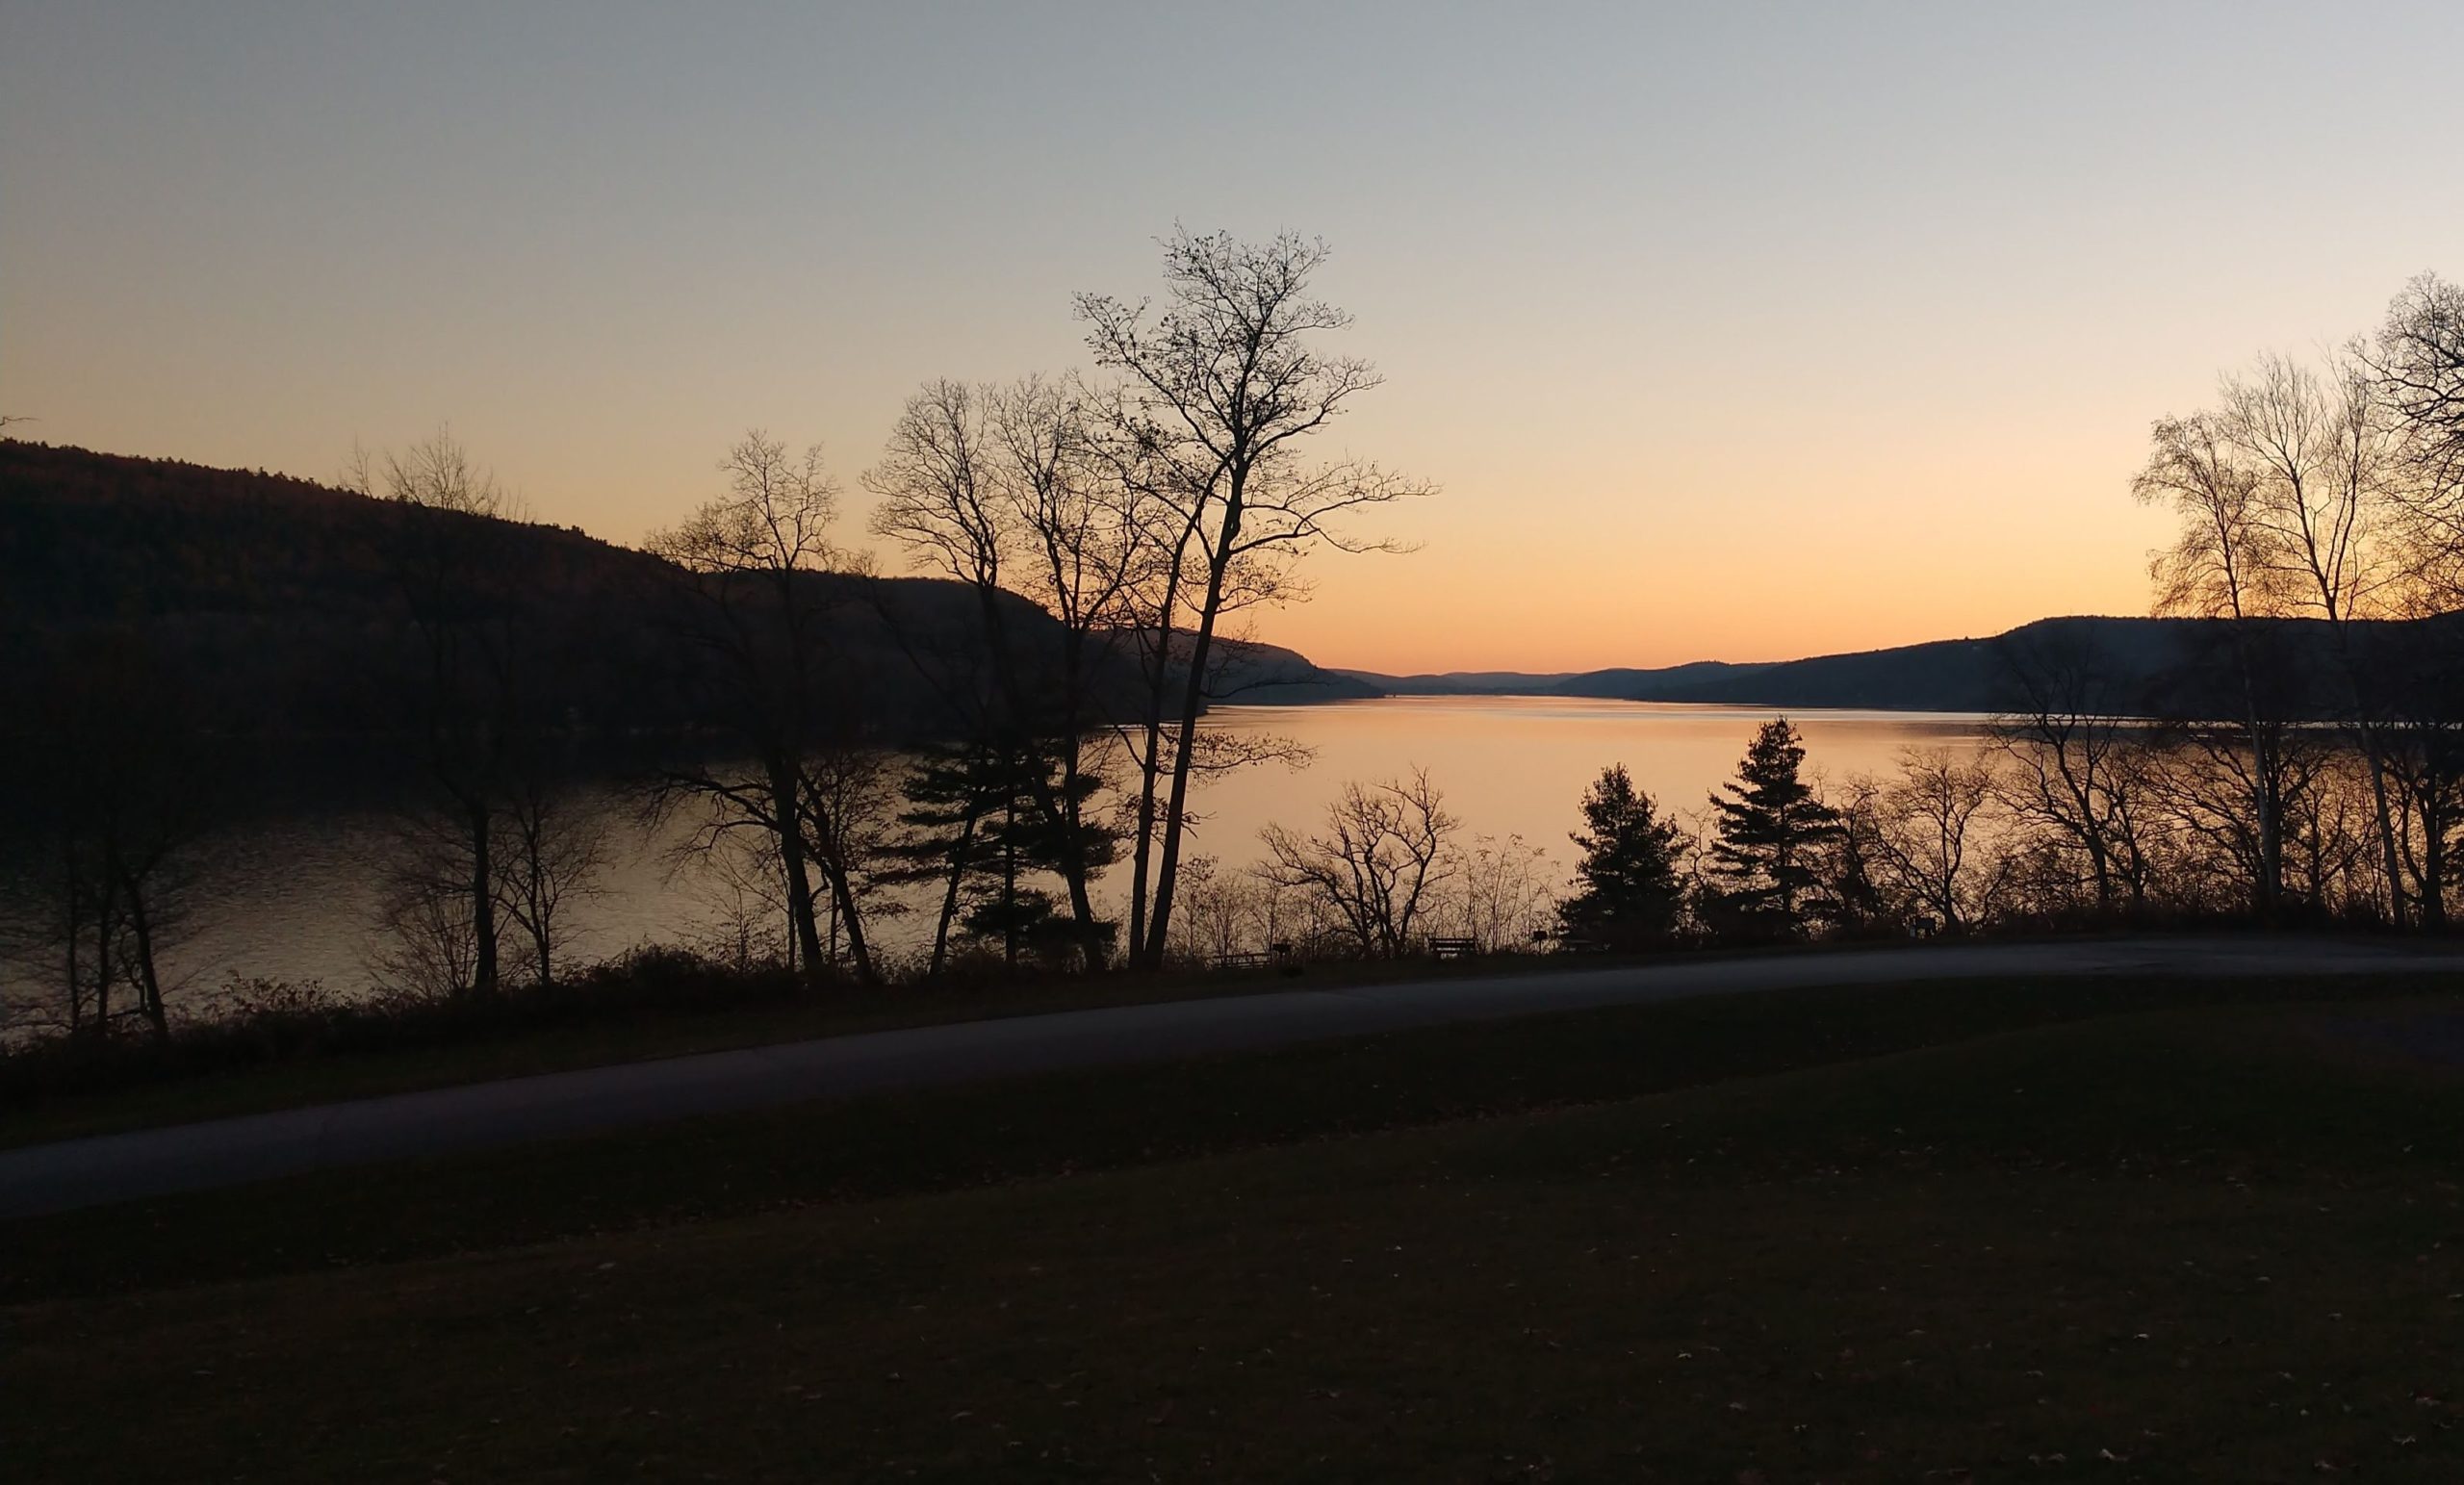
(225, 1152)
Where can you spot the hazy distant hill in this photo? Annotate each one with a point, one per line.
(2133, 656)
(1464, 682)
(1252, 673)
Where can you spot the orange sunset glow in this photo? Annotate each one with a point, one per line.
(1848, 347)
(1301, 742)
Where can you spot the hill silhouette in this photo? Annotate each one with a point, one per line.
(280, 600)
(2142, 662)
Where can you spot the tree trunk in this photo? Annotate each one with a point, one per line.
(483, 902)
(959, 853)
(1010, 886)
(73, 925)
(543, 944)
(149, 985)
(788, 821)
(842, 899)
(1150, 772)
(104, 969)
(1193, 703)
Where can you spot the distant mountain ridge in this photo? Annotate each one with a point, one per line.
(2134, 657)
(272, 594)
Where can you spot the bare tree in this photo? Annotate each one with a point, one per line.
(737, 878)
(2419, 358)
(449, 565)
(1221, 388)
(122, 799)
(2068, 757)
(549, 861)
(2322, 450)
(1218, 920)
(998, 487)
(1929, 820)
(426, 944)
(1386, 849)
(2228, 565)
(1505, 894)
(755, 565)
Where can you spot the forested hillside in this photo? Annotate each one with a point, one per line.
(2149, 666)
(289, 608)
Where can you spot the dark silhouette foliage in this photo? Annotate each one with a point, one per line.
(1766, 879)
(1628, 892)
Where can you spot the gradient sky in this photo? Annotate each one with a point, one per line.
(1729, 330)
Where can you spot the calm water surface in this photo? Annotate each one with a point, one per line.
(292, 894)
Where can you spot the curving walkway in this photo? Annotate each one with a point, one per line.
(106, 1168)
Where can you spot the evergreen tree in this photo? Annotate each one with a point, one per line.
(949, 792)
(1629, 892)
(1766, 857)
(978, 826)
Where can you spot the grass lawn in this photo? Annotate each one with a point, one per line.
(2069, 1230)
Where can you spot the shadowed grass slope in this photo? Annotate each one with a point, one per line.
(1937, 1232)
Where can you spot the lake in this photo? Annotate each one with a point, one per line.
(290, 894)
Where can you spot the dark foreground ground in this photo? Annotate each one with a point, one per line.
(2072, 1230)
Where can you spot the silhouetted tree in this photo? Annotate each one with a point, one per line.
(2071, 756)
(1926, 821)
(549, 860)
(2226, 566)
(2419, 357)
(2323, 451)
(754, 563)
(948, 792)
(1221, 388)
(1504, 894)
(453, 565)
(1769, 829)
(1385, 849)
(123, 792)
(998, 488)
(1628, 887)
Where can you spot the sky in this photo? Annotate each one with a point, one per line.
(1727, 331)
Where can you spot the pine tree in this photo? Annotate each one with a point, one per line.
(949, 792)
(978, 827)
(1628, 893)
(1765, 866)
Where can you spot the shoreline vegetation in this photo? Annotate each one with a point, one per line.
(1005, 754)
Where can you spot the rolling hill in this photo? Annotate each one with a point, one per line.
(2133, 660)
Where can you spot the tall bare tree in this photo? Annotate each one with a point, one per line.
(2228, 565)
(1221, 389)
(2323, 450)
(2419, 358)
(452, 564)
(999, 487)
(756, 564)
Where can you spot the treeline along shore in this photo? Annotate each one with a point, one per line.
(1003, 746)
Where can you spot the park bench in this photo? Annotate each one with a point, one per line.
(1248, 959)
(1453, 948)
